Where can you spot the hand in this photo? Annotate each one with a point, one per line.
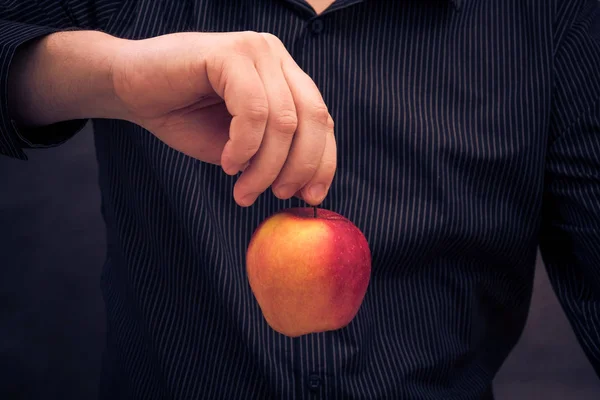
(237, 100)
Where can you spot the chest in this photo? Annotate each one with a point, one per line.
(440, 115)
(405, 70)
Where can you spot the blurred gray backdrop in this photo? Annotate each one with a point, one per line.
(51, 312)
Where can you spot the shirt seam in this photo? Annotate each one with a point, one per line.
(568, 131)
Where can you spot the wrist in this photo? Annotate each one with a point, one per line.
(111, 106)
(65, 76)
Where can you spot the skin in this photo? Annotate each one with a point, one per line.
(320, 5)
(237, 100)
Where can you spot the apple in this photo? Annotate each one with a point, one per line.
(309, 269)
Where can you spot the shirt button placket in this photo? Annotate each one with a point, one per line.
(317, 25)
(314, 382)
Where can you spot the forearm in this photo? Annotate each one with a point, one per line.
(64, 76)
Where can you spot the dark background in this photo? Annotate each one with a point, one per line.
(52, 315)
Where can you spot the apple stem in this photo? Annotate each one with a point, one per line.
(315, 212)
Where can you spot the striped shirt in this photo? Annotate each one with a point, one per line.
(468, 134)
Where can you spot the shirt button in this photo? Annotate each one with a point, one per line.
(317, 26)
(314, 382)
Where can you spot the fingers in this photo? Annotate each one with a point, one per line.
(315, 125)
(246, 100)
(281, 126)
(315, 191)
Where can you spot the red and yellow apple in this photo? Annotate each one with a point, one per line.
(309, 270)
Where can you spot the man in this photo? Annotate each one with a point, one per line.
(467, 132)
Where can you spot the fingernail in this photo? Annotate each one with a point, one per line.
(285, 191)
(248, 199)
(232, 169)
(317, 191)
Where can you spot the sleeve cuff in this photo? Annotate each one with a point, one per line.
(14, 139)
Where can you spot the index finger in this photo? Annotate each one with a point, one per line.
(241, 87)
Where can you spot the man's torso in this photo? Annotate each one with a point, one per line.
(441, 122)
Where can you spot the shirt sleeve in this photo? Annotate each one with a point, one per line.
(570, 232)
(23, 21)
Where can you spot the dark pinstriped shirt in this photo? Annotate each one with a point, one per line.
(468, 134)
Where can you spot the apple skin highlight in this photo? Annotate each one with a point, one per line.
(308, 274)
